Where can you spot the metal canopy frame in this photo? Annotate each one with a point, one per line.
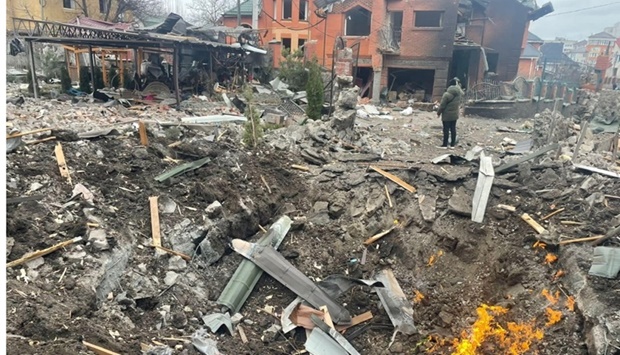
(35, 28)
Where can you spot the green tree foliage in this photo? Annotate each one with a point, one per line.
(314, 91)
(253, 129)
(293, 70)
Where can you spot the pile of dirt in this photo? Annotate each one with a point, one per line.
(113, 289)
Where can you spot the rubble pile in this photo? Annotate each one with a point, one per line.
(608, 106)
(362, 220)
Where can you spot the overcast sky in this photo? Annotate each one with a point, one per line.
(578, 25)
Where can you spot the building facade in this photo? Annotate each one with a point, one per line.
(56, 10)
(598, 45)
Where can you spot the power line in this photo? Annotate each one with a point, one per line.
(584, 9)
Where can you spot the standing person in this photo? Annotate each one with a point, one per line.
(449, 112)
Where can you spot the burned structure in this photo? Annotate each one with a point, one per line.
(174, 55)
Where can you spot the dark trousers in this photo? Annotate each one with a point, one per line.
(449, 129)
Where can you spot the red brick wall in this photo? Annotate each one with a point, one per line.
(528, 68)
(505, 35)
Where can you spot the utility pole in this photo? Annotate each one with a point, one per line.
(238, 13)
(542, 82)
(255, 4)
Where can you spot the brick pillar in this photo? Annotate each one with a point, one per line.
(569, 96)
(275, 47)
(344, 62)
(311, 50)
(543, 91)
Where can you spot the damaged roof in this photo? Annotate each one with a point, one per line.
(533, 38)
(602, 35)
(553, 52)
(246, 10)
(530, 52)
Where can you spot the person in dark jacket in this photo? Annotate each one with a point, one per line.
(449, 111)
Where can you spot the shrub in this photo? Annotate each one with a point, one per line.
(253, 130)
(314, 91)
(293, 71)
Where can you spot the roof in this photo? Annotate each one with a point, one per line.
(99, 24)
(554, 53)
(530, 52)
(533, 38)
(246, 10)
(602, 35)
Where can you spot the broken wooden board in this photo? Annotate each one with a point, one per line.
(155, 229)
(376, 237)
(553, 214)
(529, 220)
(284, 272)
(144, 139)
(483, 188)
(597, 170)
(15, 135)
(395, 302)
(244, 338)
(358, 319)
(326, 317)
(62, 164)
(579, 240)
(511, 164)
(300, 167)
(387, 194)
(98, 349)
(394, 179)
(39, 253)
(173, 252)
(41, 140)
(507, 207)
(584, 128)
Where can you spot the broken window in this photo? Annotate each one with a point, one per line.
(428, 18)
(286, 43)
(300, 44)
(397, 27)
(287, 9)
(303, 10)
(103, 6)
(357, 22)
(67, 4)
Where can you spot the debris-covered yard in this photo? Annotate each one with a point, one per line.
(364, 200)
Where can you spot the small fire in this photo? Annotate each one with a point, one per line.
(553, 316)
(558, 274)
(515, 339)
(551, 298)
(550, 258)
(434, 258)
(570, 303)
(418, 296)
(539, 245)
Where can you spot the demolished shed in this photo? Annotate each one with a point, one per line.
(196, 64)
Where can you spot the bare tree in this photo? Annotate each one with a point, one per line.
(140, 9)
(209, 12)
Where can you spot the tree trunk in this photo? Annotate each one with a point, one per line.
(85, 8)
(107, 10)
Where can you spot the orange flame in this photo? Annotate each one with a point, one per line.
(418, 296)
(551, 298)
(552, 316)
(570, 303)
(515, 340)
(434, 258)
(550, 258)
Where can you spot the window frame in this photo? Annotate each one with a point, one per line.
(346, 22)
(305, 18)
(284, 17)
(415, 19)
(71, 5)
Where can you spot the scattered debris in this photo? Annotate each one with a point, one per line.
(62, 164)
(395, 303)
(216, 320)
(483, 188)
(98, 349)
(40, 253)
(394, 179)
(537, 227)
(605, 262)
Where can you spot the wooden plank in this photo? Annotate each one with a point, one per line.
(30, 256)
(300, 167)
(174, 252)
(376, 237)
(62, 164)
(507, 207)
(244, 338)
(580, 140)
(28, 133)
(41, 140)
(387, 193)
(266, 184)
(98, 349)
(553, 213)
(537, 227)
(144, 139)
(525, 158)
(483, 188)
(572, 223)
(155, 231)
(578, 240)
(359, 319)
(394, 179)
(327, 318)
